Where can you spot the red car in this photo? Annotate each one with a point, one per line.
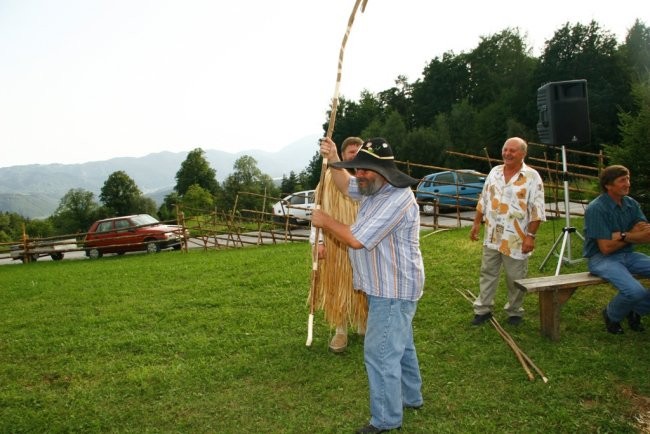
(131, 233)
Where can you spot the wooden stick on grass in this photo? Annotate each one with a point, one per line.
(523, 358)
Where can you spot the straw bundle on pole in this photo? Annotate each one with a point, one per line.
(330, 130)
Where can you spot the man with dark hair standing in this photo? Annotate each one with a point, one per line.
(387, 265)
(614, 222)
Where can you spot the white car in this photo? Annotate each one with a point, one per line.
(297, 207)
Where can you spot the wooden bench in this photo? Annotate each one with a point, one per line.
(554, 291)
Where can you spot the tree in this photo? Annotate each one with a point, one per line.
(196, 170)
(167, 210)
(398, 100)
(473, 101)
(633, 149)
(11, 226)
(120, 194)
(392, 129)
(290, 184)
(353, 117)
(445, 82)
(588, 52)
(197, 200)
(247, 178)
(77, 210)
(420, 146)
(145, 205)
(636, 51)
(310, 175)
(502, 87)
(40, 228)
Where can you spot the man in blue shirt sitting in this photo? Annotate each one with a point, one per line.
(614, 222)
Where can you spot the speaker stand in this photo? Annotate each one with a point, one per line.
(568, 230)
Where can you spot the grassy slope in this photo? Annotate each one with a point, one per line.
(215, 342)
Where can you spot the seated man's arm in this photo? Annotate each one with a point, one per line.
(639, 234)
(607, 247)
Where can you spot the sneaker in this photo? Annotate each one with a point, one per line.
(338, 343)
(480, 319)
(612, 327)
(634, 321)
(515, 320)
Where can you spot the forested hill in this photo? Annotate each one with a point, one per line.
(35, 191)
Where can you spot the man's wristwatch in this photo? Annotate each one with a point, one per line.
(623, 235)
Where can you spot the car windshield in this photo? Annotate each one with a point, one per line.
(298, 199)
(143, 219)
(470, 178)
(445, 179)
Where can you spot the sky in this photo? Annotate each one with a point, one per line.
(90, 80)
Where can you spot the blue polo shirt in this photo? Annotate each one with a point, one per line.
(604, 216)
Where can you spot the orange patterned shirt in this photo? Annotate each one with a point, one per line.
(508, 208)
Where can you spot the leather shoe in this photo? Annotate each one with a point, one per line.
(613, 327)
(371, 429)
(634, 321)
(480, 319)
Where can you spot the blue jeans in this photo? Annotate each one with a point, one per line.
(391, 361)
(618, 269)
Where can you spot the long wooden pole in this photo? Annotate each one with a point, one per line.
(318, 198)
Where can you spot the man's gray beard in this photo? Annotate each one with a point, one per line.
(372, 188)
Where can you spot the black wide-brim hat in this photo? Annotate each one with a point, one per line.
(376, 155)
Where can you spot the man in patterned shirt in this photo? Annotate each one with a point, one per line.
(384, 248)
(614, 223)
(512, 203)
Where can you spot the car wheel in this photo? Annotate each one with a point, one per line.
(56, 256)
(94, 254)
(428, 208)
(31, 258)
(152, 247)
(176, 247)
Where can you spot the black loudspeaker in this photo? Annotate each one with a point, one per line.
(563, 113)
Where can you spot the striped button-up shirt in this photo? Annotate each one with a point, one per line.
(388, 226)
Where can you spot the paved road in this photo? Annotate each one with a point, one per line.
(445, 220)
(253, 238)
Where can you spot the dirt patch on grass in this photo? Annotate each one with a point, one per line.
(641, 413)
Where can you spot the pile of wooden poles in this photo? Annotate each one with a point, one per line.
(523, 358)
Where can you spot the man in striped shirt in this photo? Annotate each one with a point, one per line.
(387, 265)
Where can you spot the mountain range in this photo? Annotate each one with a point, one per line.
(35, 191)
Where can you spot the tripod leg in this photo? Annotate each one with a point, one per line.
(550, 252)
(565, 237)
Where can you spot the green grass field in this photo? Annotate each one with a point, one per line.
(214, 342)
